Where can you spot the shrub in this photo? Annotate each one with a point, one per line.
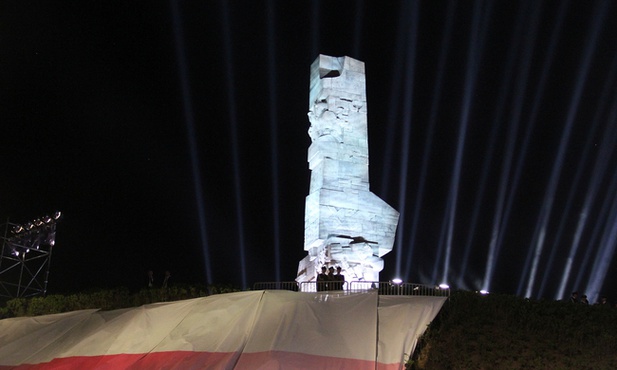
(104, 299)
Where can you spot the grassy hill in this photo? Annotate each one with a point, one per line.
(505, 332)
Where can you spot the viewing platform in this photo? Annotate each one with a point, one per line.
(383, 288)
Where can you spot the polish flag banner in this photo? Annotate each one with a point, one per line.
(246, 330)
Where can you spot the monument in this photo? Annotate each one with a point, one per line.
(345, 224)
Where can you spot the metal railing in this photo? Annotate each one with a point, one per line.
(383, 288)
(279, 285)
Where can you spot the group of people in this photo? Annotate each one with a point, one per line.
(574, 299)
(328, 280)
(151, 279)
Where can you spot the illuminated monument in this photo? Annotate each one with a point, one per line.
(344, 223)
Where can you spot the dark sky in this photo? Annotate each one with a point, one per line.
(173, 136)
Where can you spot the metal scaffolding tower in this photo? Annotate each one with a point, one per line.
(26, 256)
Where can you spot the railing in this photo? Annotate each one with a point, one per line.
(383, 288)
(280, 285)
(323, 286)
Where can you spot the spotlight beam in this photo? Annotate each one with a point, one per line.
(393, 119)
(541, 86)
(443, 55)
(358, 27)
(565, 218)
(596, 232)
(568, 205)
(315, 27)
(599, 170)
(605, 254)
(274, 150)
(504, 178)
(189, 120)
(235, 147)
(606, 247)
(549, 198)
(407, 122)
(476, 40)
(442, 240)
(499, 112)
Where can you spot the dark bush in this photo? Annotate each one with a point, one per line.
(105, 299)
(505, 332)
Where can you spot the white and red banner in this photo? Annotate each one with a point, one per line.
(245, 330)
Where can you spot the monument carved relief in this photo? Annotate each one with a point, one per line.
(346, 225)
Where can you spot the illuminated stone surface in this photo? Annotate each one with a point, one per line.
(344, 224)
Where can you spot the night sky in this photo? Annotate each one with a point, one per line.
(173, 136)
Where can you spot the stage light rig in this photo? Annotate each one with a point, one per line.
(26, 256)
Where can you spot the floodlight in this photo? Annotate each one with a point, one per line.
(51, 238)
(25, 256)
(444, 286)
(483, 292)
(397, 281)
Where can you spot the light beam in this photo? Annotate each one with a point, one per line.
(546, 65)
(235, 147)
(394, 104)
(274, 151)
(549, 197)
(407, 122)
(605, 254)
(513, 128)
(443, 55)
(476, 40)
(599, 170)
(596, 232)
(187, 106)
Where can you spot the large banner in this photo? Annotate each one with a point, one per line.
(246, 330)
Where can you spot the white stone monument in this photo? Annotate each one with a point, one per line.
(344, 223)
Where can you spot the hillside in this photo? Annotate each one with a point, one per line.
(473, 331)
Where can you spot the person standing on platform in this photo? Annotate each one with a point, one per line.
(322, 279)
(339, 278)
(331, 279)
(150, 278)
(166, 280)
